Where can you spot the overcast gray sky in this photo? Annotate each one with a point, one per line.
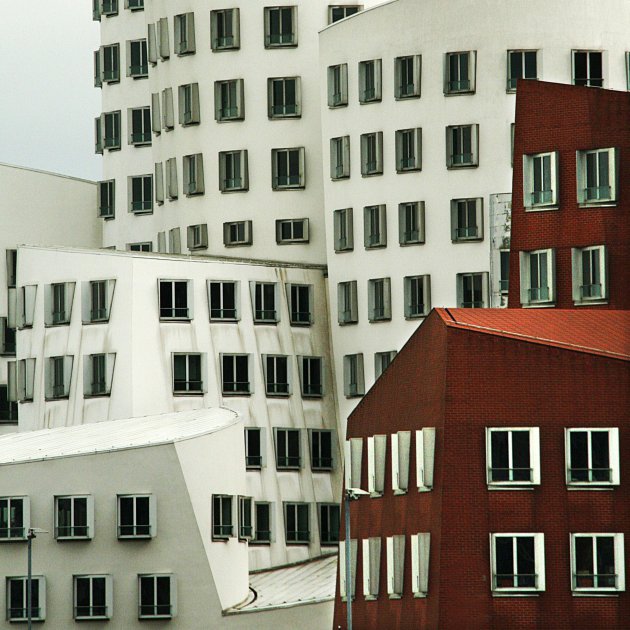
(47, 99)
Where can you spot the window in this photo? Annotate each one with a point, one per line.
(109, 62)
(353, 380)
(237, 233)
(347, 305)
(382, 360)
(188, 100)
(140, 126)
(537, 271)
(408, 150)
(245, 520)
(17, 598)
(7, 337)
(276, 369)
(25, 379)
(156, 596)
(597, 176)
(518, 562)
(184, 34)
(222, 518)
(370, 81)
(462, 146)
(311, 373)
(134, 5)
(97, 300)
(340, 158)
(14, 518)
(262, 534)
(288, 449)
(197, 236)
(168, 115)
(466, 220)
(187, 374)
(329, 523)
(592, 457)
(376, 458)
(110, 129)
(417, 296)
(338, 85)
(8, 406)
(98, 372)
(98, 75)
(93, 597)
(74, 517)
(291, 231)
(339, 12)
(59, 298)
(407, 71)
(321, 449)
(235, 374)
(372, 153)
(395, 546)
(343, 230)
(175, 298)
(109, 7)
(459, 72)
(379, 300)
(136, 516)
(513, 456)
(371, 567)
(287, 168)
(589, 274)
(223, 300)
(401, 447)
(374, 226)
(254, 448)
(58, 377)
(140, 247)
(352, 578)
(229, 103)
(411, 223)
(137, 62)
(225, 29)
(193, 175)
(297, 523)
(300, 297)
(284, 97)
(140, 189)
(264, 302)
(588, 68)
(597, 563)
(280, 27)
(353, 455)
(472, 290)
(106, 199)
(540, 180)
(233, 171)
(504, 265)
(521, 64)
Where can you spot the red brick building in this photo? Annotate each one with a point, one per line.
(491, 448)
(570, 198)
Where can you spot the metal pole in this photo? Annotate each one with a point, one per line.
(348, 562)
(31, 535)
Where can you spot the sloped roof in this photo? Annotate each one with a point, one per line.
(112, 435)
(601, 332)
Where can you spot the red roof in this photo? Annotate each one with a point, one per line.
(606, 333)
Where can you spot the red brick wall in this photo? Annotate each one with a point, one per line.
(564, 118)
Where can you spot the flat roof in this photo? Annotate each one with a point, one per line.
(113, 435)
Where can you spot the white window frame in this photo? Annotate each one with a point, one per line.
(592, 293)
(247, 230)
(284, 109)
(425, 458)
(354, 9)
(223, 38)
(89, 526)
(353, 456)
(375, 218)
(309, 388)
(400, 460)
(405, 90)
(271, 364)
(353, 377)
(589, 80)
(217, 312)
(619, 566)
(143, 204)
(21, 581)
(236, 388)
(97, 300)
(371, 154)
(110, 130)
(455, 85)
(409, 150)
(291, 180)
(459, 136)
(157, 610)
(294, 225)
(184, 34)
(281, 39)
(175, 312)
(338, 85)
(108, 597)
(411, 284)
(370, 81)
(58, 301)
(347, 303)
(149, 530)
(411, 223)
(92, 387)
(229, 100)
(340, 158)
(534, 458)
(188, 388)
(597, 195)
(343, 230)
(9, 532)
(540, 295)
(539, 564)
(544, 167)
(466, 233)
(613, 457)
(379, 300)
(265, 309)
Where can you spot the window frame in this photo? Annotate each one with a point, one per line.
(375, 217)
(281, 223)
(328, 536)
(6, 533)
(287, 458)
(408, 282)
(58, 373)
(197, 237)
(157, 609)
(533, 456)
(229, 100)
(261, 311)
(307, 387)
(245, 517)
(271, 365)
(409, 150)
(188, 384)
(150, 528)
(290, 181)
(102, 387)
(343, 230)
(144, 136)
(143, 204)
(232, 179)
(107, 199)
(526, 288)
(619, 565)
(467, 233)
(258, 539)
(452, 87)
(543, 199)
(296, 293)
(255, 461)
(599, 296)
(406, 234)
(482, 276)
(184, 34)
(379, 300)
(456, 136)
(222, 517)
(220, 43)
(284, 40)
(586, 199)
(247, 226)
(340, 158)
(299, 537)
(370, 81)
(539, 564)
(613, 457)
(408, 90)
(176, 313)
(38, 613)
(109, 55)
(347, 298)
(371, 147)
(192, 175)
(88, 528)
(337, 85)
(275, 111)
(139, 71)
(353, 375)
(588, 80)
(344, 7)
(322, 455)
(511, 81)
(236, 388)
(188, 104)
(234, 313)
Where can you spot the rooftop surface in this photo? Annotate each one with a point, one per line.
(601, 332)
(112, 435)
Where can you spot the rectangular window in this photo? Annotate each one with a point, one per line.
(466, 220)
(140, 247)
(223, 300)
(175, 297)
(408, 150)
(462, 146)
(17, 598)
(521, 64)
(379, 300)
(262, 535)
(187, 374)
(134, 5)
(184, 34)
(597, 563)
(347, 305)
(321, 449)
(504, 265)
(235, 374)
(14, 518)
(92, 597)
(106, 199)
(233, 171)
(459, 72)
(297, 523)
(417, 296)
(395, 566)
(597, 176)
(58, 377)
(137, 61)
(98, 75)
(353, 379)
(245, 520)
(264, 300)
(222, 517)
(340, 158)
(225, 29)
(136, 516)
(229, 102)
(8, 404)
(110, 129)
(339, 12)
(287, 168)
(100, 294)
(140, 189)
(25, 379)
(291, 231)
(407, 77)
(338, 85)
(139, 126)
(589, 274)
(283, 97)
(98, 372)
(197, 236)
(371, 567)
(188, 102)
(300, 297)
(192, 166)
(276, 369)
(588, 68)
(370, 81)
(343, 230)
(237, 233)
(329, 523)
(59, 299)
(537, 277)
(372, 153)
(513, 456)
(472, 290)
(382, 360)
(280, 27)
(288, 449)
(110, 63)
(156, 596)
(109, 7)
(592, 457)
(7, 338)
(254, 448)
(311, 376)
(375, 226)
(518, 562)
(74, 517)
(540, 180)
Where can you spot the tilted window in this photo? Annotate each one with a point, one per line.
(338, 85)
(370, 81)
(225, 29)
(537, 277)
(459, 72)
(287, 168)
(229, 100)
(407, 76)
(233, 171)
(462, 146)
(184, 34)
